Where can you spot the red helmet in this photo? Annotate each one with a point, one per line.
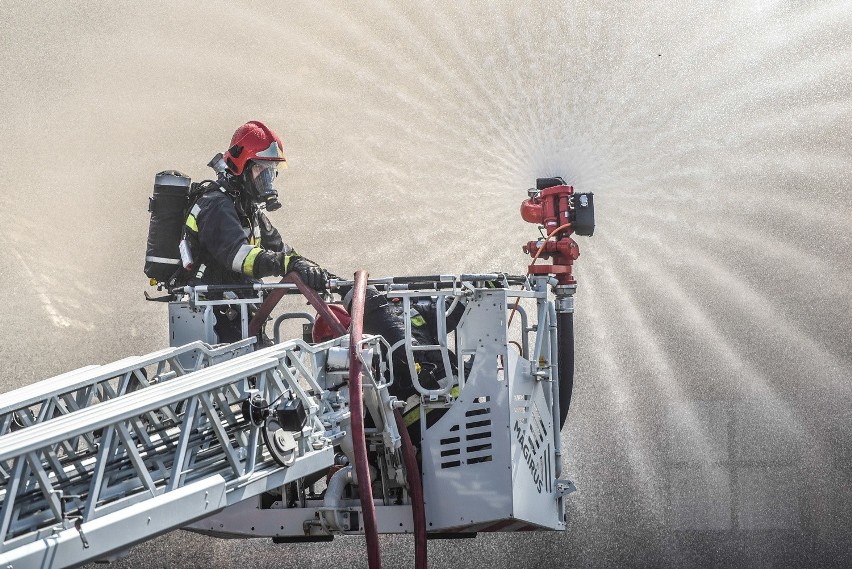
(253, 141)
(322, 329)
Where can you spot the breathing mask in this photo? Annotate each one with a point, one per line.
(259, 183)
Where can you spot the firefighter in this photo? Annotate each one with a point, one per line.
(232, 240)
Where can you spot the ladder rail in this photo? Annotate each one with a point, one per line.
(52, 478)
(86, 386)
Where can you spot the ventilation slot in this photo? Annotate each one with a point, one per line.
(522, 405)
(537, 427)
(477, 459)
(474, 441)
(475, 412)
(478, 424)
(477, 436)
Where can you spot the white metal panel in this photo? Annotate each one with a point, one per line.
(515, 478)
(187, 324)
(464, 485)
(467, 474)
(247, 519)
(534, 490)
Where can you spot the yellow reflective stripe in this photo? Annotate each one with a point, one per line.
(192, 223)
(239, 262)
(287, 259)
(414, 414)
(248, 264)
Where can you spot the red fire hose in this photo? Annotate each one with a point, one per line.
(361, 467)
(356, 410)
(314, 299)
(415, 486)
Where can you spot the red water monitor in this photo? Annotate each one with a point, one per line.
(560, 212)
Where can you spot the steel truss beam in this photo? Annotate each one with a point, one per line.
(156, 458)
(93, 384)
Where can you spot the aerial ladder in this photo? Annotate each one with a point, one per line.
(302, 441)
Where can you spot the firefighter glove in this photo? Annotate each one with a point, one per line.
(311, 274)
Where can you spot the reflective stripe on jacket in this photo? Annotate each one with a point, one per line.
(229, 244)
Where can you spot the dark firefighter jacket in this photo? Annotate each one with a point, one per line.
(386, 318)
(230, 245)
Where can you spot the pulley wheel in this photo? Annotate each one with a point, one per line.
(282, 444)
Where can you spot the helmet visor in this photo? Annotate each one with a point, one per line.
(263, 175)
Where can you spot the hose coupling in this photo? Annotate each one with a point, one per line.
(565, 298)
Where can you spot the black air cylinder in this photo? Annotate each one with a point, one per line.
(168, 208)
